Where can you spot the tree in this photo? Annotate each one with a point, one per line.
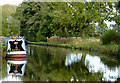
(75, 18)
(8, 11)
(78, 16)
(117, 20)
(34, 18)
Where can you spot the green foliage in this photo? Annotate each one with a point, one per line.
(44, 27)
(61, 33)
(63, 19)
(73, 47)
(77, 17)
(109, 36)
(116, 17)
(34, 17)
(91, 44)
(40, 37)
(14, 25)
(31, 37)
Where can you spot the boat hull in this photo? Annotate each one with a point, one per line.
(17, 59)
(17, 54)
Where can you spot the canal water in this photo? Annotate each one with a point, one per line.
(63, 64)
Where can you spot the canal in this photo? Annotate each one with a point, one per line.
(63, 64)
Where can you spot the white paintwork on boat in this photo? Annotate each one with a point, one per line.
(17, 52)
(22, 69)
(23, 43)
(16, 62)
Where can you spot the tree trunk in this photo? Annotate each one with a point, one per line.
(119, 46)
(82, 35)
(119, 41)
(119, 50)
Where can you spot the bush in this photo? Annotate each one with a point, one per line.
(40, 37)
(109, 36)
(31, 37)
(62, 33)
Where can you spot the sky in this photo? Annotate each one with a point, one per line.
(12, 2)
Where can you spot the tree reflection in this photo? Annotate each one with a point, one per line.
(48, 64)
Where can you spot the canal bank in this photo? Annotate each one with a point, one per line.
(102, 49)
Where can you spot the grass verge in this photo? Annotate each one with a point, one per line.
(85, 45)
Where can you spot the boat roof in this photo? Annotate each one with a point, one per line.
(16, 40)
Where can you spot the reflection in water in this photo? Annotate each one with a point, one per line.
(28, 50)
(81, 65)
(15, 69)
(11, 78)
(59, 64)
(119, 72)
(94, 65)
(73, 58)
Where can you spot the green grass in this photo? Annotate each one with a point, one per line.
(85, 45)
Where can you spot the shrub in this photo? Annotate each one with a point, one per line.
(31, 38)
(40, 37)
(62, 33)
(109, 37)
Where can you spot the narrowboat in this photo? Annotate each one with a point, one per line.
(16, 56)
(16, 48)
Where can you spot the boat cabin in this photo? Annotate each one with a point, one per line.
(16, 48)
(16, 45)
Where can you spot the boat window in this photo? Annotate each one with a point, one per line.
(17, 68)
(16, 46)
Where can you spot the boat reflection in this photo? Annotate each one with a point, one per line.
(15, 69)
